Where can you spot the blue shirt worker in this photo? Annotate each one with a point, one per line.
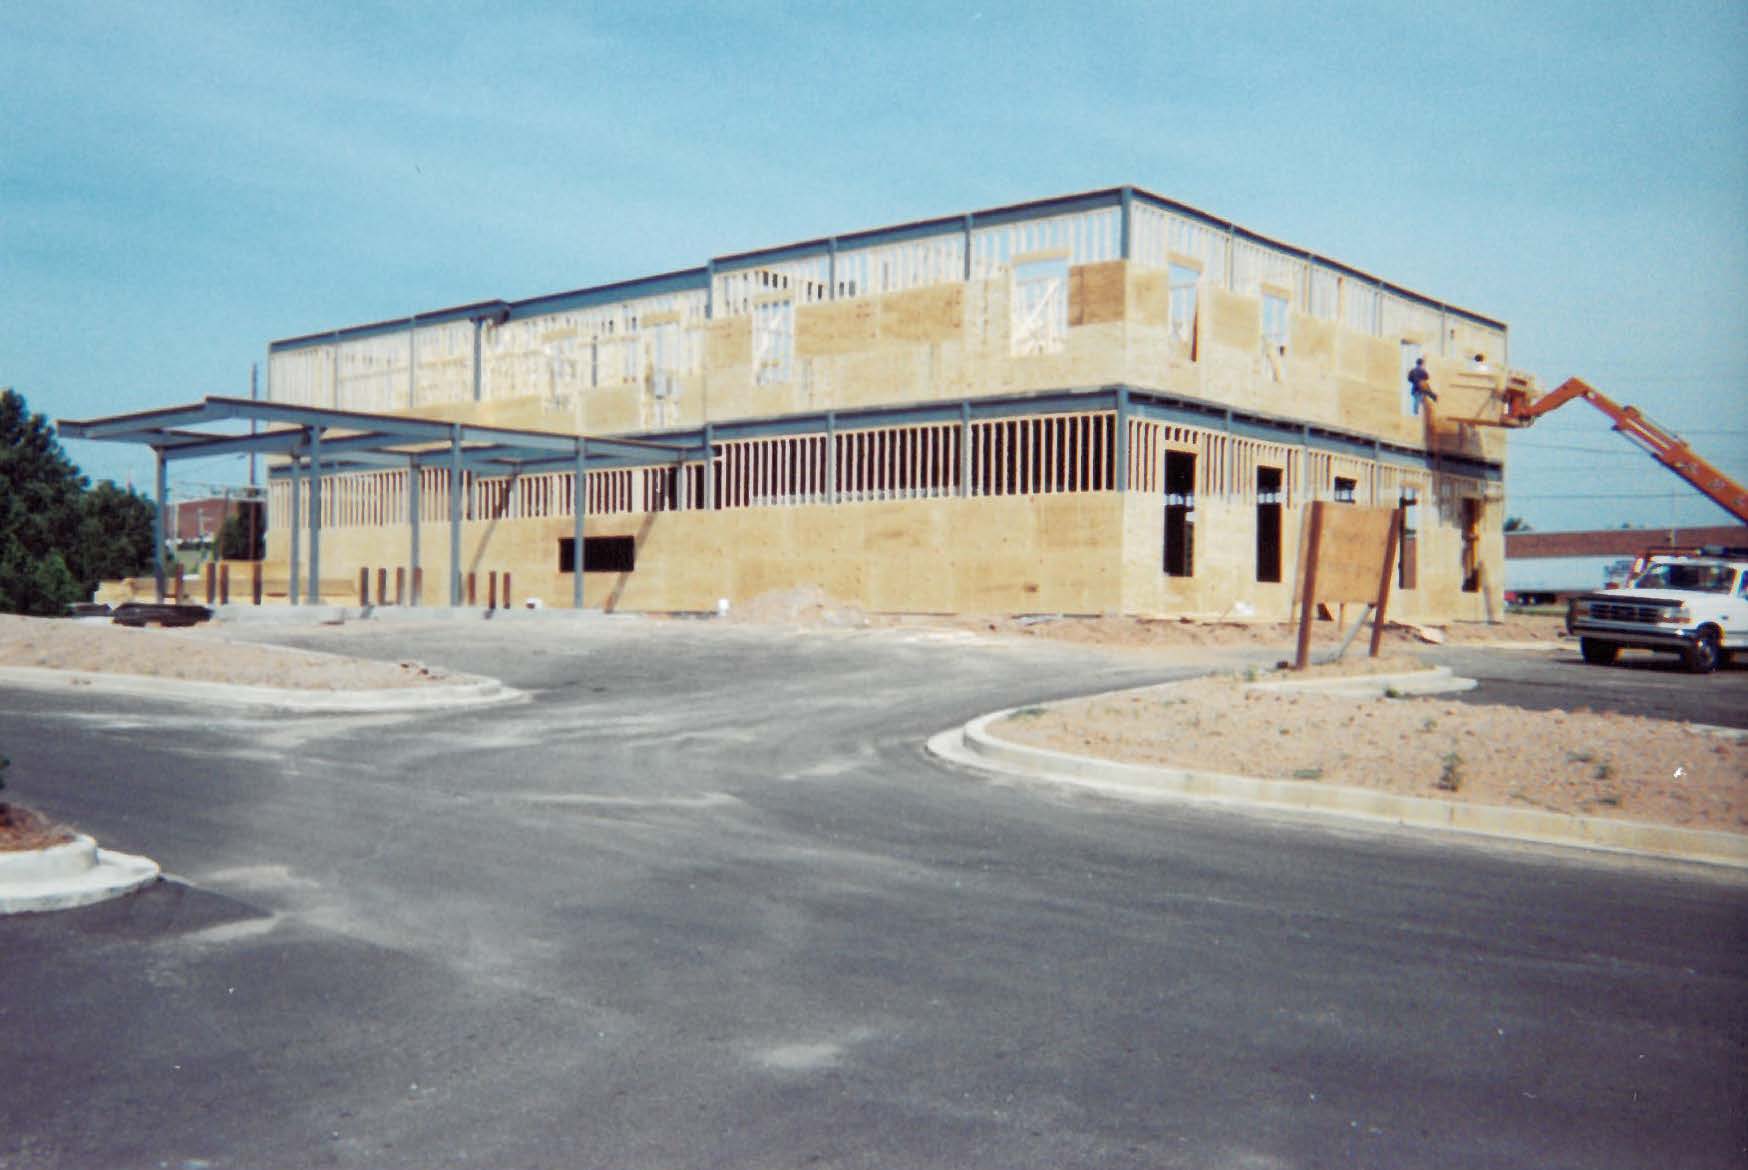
(1420, 382)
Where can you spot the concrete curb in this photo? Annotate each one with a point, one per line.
(74, 874)
(973, 746)
(1437, 681)
(479, 692)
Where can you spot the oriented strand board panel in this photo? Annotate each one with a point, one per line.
(1350, 559)
(1234, 321)
(835, 328)
(729, 342)
(1149, 296)
(936, 313)
(1096, 293)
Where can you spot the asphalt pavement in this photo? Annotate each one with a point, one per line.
(704, 901)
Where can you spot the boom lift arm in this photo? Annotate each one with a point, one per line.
(1521, 409)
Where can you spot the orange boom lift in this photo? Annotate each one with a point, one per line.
(1522, 408)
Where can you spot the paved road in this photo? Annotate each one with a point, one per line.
(705, 902)
(1640, 683)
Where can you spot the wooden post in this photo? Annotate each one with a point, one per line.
(364, 587)
(400, 585)
(255, 583)
(492, 589)
(224, 576)
(382, 587)
(1308, 598)
(211, 574)
(507, 603)
(418, 583)
(472, 593)
(1397, 519)
(176, 585)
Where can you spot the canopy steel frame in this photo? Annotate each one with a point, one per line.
(317, 442)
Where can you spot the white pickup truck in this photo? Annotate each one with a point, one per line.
(1695, 604)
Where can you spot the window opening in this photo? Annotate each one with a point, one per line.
(1274, 333)
(1472, 545)
(1181, 307)
(1039, 310)
(1408, 560)
(773, 339)
(601, 554)
(1180, 514)
(1344, 489)
(1269, 497)
(1412, 352)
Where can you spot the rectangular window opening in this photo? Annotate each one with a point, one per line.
(1344, 489)
(1472, 545)
(1274, 333)
(601, 554)
(1181, 306)
(1408, 558)
(1269, 497)
(1180, 514)
(1038, 313)
(1412, 352)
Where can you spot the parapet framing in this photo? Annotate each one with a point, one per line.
(1106, 402)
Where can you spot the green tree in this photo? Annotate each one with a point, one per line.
(39, 512)
(240, 537)
(57, 540)
(1516, 524)
(115, 536)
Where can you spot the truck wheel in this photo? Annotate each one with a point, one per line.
(1701, 655)
(1597, 652)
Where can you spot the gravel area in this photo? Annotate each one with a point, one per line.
(204, 653)
(1578, 762)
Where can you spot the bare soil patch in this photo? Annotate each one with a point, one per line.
(198, 653)
(1578, 762)
(24, 829)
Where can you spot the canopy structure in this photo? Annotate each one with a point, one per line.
(317, 442)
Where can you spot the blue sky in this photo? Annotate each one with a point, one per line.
(181, 183)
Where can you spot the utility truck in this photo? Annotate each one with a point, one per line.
(1691, 602)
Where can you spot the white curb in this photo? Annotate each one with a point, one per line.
(74, 874)
(480, 692)
(973, 745)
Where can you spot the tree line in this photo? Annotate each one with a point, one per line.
(59, 535)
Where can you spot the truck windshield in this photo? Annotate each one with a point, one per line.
(1696, 578)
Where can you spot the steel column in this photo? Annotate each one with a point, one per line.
(455, 514)
(158, 534)
(296, 524)
(965, 448)
(478, 325)
(831, 457)
(709, 468)
(1122, 444)
(1128, 205)
(315, 597)
(579, 509)
(415, 508)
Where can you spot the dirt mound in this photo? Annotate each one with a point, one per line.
(199, 653)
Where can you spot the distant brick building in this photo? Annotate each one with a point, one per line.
(197, 522)
(1558, 564)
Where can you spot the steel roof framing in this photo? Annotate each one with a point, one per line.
(363, 441)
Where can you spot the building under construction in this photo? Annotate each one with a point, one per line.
(1107, 402)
